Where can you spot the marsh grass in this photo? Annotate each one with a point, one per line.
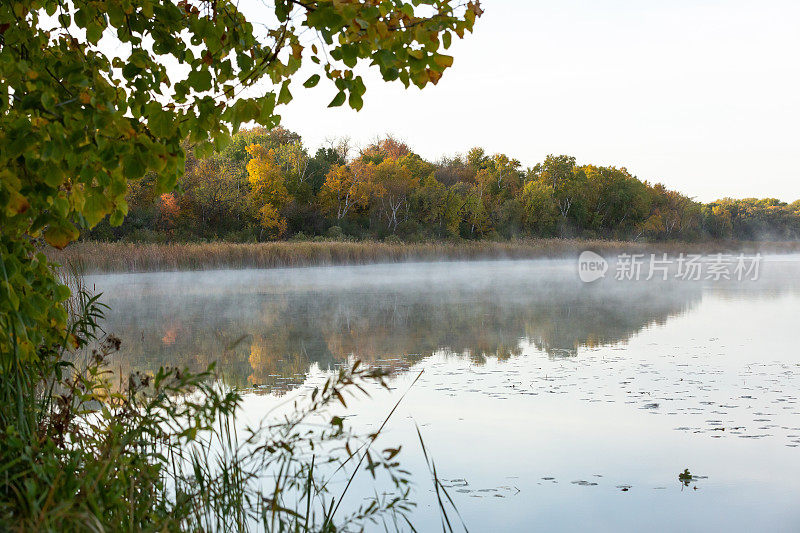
(134, 257)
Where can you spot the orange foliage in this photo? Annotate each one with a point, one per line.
(168, 206)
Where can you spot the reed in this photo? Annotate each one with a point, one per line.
(94, 257)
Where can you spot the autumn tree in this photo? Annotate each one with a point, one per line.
(718, 220)
(393, 148)
(472, 196)
(384, 148)
(672, 215)
(211, 189)
(347, 187)
(168, 212)
(268, 193)
(393, 185)
(453, 170)
(477, 158)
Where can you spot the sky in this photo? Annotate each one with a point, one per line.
(703, 96)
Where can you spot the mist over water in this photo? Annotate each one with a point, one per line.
(326, 314)
(546, 402)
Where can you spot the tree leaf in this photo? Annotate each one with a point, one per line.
(58, 236)
(338, 100)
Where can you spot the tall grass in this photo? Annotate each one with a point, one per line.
(133, 257)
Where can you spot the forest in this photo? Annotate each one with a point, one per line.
(265, 185)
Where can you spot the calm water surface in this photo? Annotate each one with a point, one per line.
(545, 402)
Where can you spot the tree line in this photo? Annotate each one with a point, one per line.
(265, 185)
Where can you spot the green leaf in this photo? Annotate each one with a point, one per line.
(116, 218)
(133, 166)
(48, 101)
(285, 96)
(204, 149)
(95, 208)
(61, 293)
(338, 100)
(355, 101)
(349, 55)
(93, 33)
(199, 80)
(312, 81)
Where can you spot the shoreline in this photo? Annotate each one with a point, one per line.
(96, 257)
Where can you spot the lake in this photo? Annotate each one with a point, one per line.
(546, 402)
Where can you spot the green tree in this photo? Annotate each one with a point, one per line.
(567, 182)
(615, 200)
(429, 200)
(540, 211)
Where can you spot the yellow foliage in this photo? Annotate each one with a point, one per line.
(346, 187)
(271, 220)
(268, 192)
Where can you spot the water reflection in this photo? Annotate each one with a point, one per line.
(266, 328)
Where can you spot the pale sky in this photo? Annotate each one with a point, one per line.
(703, 96)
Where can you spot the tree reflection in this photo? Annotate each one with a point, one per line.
(270, 338)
